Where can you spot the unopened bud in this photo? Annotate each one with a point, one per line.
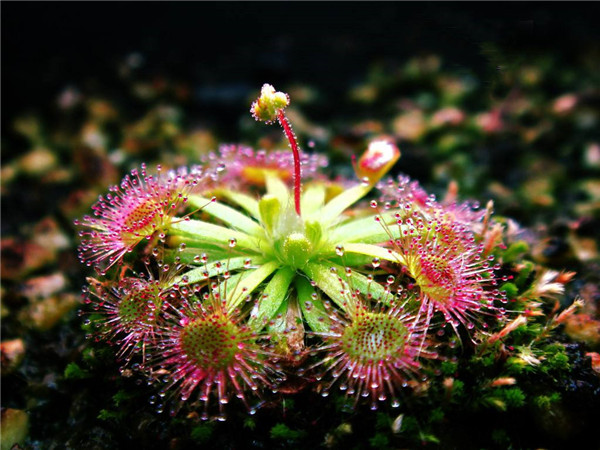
(379, 158)
(266, 106)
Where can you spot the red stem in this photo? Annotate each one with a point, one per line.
(289, 133)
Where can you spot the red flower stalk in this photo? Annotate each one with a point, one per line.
(268, 108)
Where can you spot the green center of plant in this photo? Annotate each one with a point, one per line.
(374, 336)
(296, 250)
(140, 307)
(210, 342)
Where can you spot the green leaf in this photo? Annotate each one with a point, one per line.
(227, 214)
(367, 287)
(366, 230)
(376, 252)
(200, 231)
(272, 297)
(269, 209)
(350, 260)
(329, 282)
(332, 210)
(278, 323)
(194, 249)
(313, 199)
(313, 311)
(245, 201)
(215, 268)
(277, 188)
(248, 283)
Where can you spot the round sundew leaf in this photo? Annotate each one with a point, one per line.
(137, 308)
(211, 342)
(374, 337)
(377, 160)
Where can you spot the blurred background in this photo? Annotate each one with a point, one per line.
(501, 98)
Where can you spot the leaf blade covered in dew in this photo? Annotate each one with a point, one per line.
(228, 215)
(315, 315)
(376, 252)
(336, 206)
(214, 269)
(366, 230)
(245, 285)
(199, 231)
(313, 199)
(273, 296)
(248, 203)
(335, 283)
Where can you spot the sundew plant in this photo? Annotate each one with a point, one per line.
(219, 282)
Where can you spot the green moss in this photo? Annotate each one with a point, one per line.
(74, 372)
(546, 402)
(122, 396)
(557, 358)
(289, 404)
(380, 440)
(410, 425)
(513, 397)
(428, 437)
(106, 415)
(202, 433)
(526, 269)
(436, 415)
(448, 368)
(282, 432)
(249, 423)
(458, 391)
(515, 251)
(501, 438)
(510, 289)
(382, 421)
